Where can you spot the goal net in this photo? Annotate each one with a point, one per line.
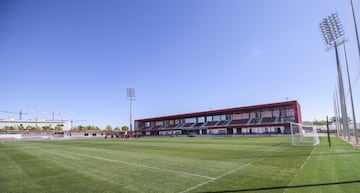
(303, 135)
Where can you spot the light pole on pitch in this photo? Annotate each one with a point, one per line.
(131, 97)
(333, 36)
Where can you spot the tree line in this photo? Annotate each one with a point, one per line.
(59, 128)
(323, 122)
(123, 128)
(33, 128)
(107, 128)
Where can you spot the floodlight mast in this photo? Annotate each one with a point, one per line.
(351, 99)
(339, 120)
(333, 36)
(131, 96)
(356, 30)
(336, 112)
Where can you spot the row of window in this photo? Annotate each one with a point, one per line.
(240, 116)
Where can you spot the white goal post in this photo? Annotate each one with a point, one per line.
(303, 135)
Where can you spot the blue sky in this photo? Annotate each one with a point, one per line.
(78, 57)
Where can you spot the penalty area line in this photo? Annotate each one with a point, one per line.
(309, 156)
(144, 166)
(302, 166)
(221, 176)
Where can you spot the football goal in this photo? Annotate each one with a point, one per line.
(303, 135)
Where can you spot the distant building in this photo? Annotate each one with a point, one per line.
(64, 124)
(271, 118)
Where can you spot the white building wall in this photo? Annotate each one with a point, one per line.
(65, 124)
(217, 131)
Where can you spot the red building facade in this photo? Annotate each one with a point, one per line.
(273, 118)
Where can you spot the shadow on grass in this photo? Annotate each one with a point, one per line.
(287, 187)
(305, 155)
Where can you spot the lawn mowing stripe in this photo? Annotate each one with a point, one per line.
(144, 166)
(222, 175)
(23, 161)
(227, 173)
(309, 156)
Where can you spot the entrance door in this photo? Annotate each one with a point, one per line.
(238, 130)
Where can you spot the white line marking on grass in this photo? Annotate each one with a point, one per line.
(144, 166)
(222, 175)
(211, 180)
(308, 157)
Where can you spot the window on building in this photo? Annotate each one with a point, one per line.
(222, 117)
(190, 120)
(201, 119)
(216, 118)
(227, 117)
(282, 113)
(290, 112)
(240, 116)
(140, 125)
(266, 114)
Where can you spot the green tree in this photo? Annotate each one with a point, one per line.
(20, 127)
(92, 128)
(9, 128)
(36, 128)
(125, 128)
(307, 122)
(80, 127)
(58, 128)
(321, 122)
(117, 128)
(46, 128)
(108, 128)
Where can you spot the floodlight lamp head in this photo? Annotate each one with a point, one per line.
(130, 93)
(332, 31)
(326, 32)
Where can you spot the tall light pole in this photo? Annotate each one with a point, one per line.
(131, 96)
(356, 30)
(336, 112)
(351, 99)
(333, 36)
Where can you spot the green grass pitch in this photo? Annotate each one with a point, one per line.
(233, 164)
